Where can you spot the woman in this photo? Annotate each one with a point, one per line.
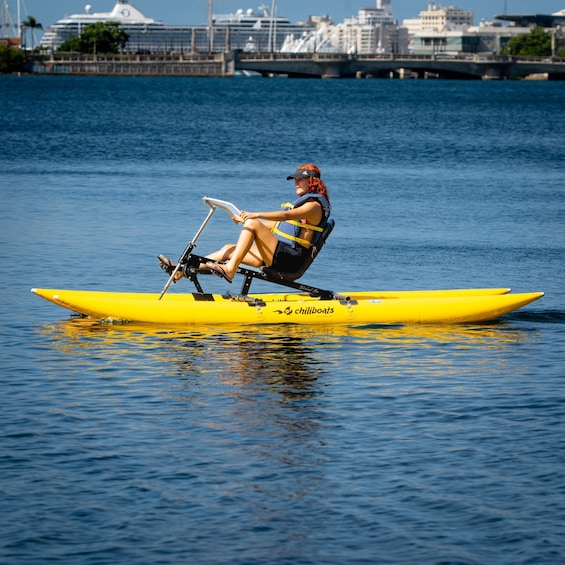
(279, 239)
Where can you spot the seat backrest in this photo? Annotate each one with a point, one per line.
(312, 253)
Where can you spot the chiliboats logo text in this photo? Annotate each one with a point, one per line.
(306, 311)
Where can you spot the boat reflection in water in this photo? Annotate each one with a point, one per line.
(289, 359)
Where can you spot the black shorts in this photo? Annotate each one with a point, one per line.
(288, 259)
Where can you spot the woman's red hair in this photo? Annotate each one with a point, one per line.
(316, 185)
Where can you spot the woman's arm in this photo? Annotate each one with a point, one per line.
(310, 211)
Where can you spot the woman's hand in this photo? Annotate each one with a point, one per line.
(248, 215)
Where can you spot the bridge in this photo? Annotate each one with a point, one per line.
(314, 65)
(332, 65)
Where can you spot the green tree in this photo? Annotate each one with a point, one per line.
(11, 60)
(100, 37)
(33, 24)
(537, 43)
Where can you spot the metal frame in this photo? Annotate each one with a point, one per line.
(191, 270)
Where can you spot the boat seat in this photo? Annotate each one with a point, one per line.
(288, 279)
(314, 250)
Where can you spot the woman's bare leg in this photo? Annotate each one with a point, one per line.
(255, 247)
(253, 232)
(222, 254)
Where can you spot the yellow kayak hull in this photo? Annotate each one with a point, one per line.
(377, 307)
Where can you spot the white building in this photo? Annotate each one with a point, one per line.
(450, 32)
(445, 19)
(438, 18)
(372, 31)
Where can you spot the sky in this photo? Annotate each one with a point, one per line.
(195, 12)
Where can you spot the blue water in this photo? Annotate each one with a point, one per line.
(428, 445)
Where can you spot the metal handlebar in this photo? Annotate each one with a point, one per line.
(213, 204)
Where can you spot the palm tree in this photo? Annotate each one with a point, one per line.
(33, 24)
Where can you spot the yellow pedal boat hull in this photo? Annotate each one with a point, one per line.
(378, 307)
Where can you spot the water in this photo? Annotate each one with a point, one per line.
(124, 444)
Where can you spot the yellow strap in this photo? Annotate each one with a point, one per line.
(299, 240)
(290, 206)
(305, 226)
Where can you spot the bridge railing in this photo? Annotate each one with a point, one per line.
(314, 56)
(135, 58)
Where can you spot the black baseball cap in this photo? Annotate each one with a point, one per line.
(303, 174)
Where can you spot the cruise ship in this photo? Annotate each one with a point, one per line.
(244, 30)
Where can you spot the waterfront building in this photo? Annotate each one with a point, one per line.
(492, 37)
(372, 31)
(438, 18)
(484, 38)
(450, 31)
